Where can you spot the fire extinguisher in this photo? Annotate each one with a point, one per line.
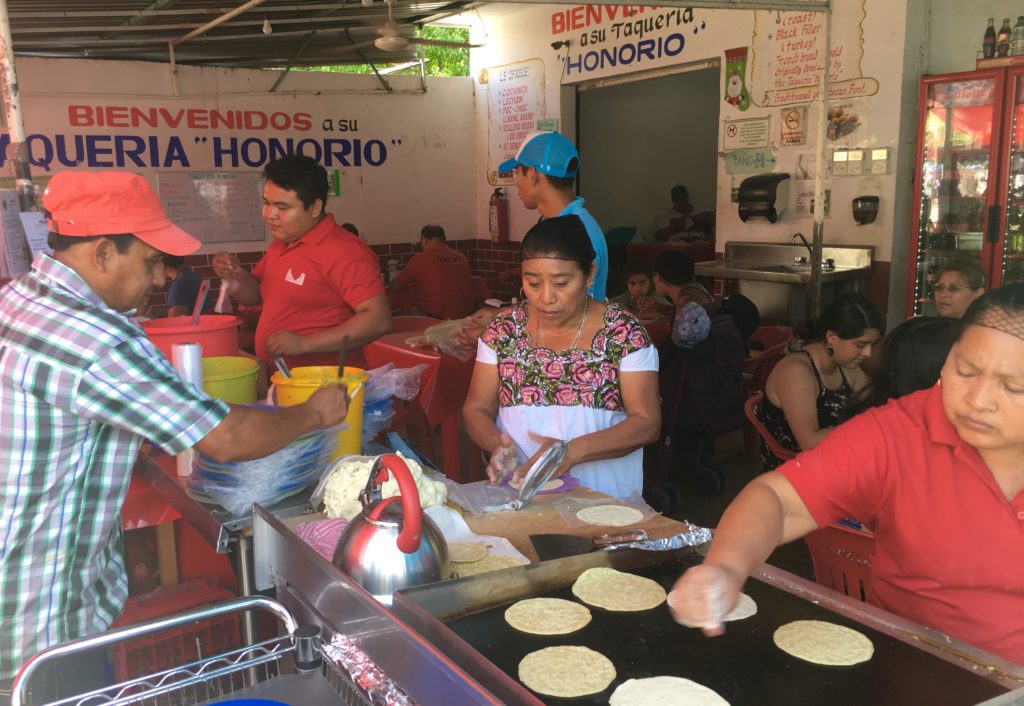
(497, 219)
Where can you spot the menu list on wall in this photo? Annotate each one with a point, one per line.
(214, 207)
(788, 49)
(515, 102)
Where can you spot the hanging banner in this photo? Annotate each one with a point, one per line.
(515, 103)
(788, 50)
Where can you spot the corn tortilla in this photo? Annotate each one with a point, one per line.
(617, 591)
(664, 691)
(547, 616)
(610, 515)
(466, 551)
(566, 671)
(819, 642)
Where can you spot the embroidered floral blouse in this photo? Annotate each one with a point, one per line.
(569, 394)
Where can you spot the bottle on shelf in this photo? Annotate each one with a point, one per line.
(1017, 37)
(988, 44)
(1003, 38)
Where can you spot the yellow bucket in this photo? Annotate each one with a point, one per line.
(231, 378)
(307, 379)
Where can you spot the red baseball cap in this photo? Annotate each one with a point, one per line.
(112, 203)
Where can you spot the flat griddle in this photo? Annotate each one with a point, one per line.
(744, 666)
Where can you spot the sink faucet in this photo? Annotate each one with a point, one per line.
(807, 245)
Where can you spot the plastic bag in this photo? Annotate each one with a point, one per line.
(388, 381)
(445, 337)
(377, 416)
(238, 485)
(569, 507)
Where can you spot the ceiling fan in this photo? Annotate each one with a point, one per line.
(390, 38)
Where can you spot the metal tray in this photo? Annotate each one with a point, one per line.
(744, 666)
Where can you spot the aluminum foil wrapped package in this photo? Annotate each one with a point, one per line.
(364, 673)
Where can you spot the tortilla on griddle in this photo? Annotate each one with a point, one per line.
(664, 691)
(824, 643)
(617, 591)
(745, 608)
(566, 671)
(547, 616)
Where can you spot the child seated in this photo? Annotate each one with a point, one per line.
(640, 296)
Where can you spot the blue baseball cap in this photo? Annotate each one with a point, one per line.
(549, 153)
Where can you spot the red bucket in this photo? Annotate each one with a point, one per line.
(216, 333)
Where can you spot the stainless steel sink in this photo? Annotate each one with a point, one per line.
(775, 262)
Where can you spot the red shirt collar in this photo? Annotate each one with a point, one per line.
(315, 235)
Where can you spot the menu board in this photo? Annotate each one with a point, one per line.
(788, 49)
(15, 256)
(515, 102)
(214, 207)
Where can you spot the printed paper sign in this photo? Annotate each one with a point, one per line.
(742, 134)
(515, 103)
(757, 160)
(793, 126)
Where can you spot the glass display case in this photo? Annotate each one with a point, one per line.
(969, 180)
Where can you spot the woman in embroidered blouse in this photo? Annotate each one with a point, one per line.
(563, 366)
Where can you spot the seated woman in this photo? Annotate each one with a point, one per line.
(808, 392)
(958, 282)
(563, 366)
(952, 452)
(912, 358)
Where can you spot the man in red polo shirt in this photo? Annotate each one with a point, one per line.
(441, 275)
(318, 283)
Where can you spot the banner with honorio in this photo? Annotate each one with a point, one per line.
(609, 40)
(171, 135)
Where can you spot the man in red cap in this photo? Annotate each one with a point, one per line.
(81, 386)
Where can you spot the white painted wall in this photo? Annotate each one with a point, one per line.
(422, 142)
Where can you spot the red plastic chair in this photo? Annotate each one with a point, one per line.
(751, 408)
(454, 304)
(842, 559)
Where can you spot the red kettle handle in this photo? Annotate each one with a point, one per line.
(412, 515)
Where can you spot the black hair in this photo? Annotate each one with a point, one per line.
(59, 243)
(968, 268)
(1008, 298)
(432, 232)
(849, 315)
(674, 267)
(173, 260)
(638, 267)
(563, 238)
(679, 190)
(350, 228)
(559, 183)
(912, 357)
(301, 174)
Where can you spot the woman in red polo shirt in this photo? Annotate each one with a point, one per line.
(952, 454)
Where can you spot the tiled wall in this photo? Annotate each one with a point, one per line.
(486, 259)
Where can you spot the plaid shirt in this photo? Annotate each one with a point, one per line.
(80, 388)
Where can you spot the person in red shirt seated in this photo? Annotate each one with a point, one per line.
(945, 457)
(319, 284)
(443, 281)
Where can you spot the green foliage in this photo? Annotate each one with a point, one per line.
(441, 61)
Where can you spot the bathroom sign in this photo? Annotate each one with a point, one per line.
(756, 160)
(742, 134)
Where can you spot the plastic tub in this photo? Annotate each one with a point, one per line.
(216, 333)
(306, 380)
(231, 378)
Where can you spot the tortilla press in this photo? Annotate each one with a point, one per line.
(540, 473)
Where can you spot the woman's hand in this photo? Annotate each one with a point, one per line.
(644, 305)
(503, 459)
(703, 596)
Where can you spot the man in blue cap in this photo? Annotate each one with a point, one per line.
(545, 168)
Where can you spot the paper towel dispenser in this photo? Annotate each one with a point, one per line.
(764, 197)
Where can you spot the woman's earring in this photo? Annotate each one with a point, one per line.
(829, 351)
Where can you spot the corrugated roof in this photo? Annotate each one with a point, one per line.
(303, 32)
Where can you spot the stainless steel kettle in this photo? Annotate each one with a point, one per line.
(391, 544)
